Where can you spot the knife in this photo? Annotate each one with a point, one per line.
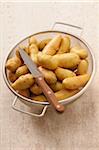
(40, 81)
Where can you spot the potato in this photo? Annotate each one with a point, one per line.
(40, 98)
(43, 43)
(25, 93)
(35, 89)
(26, 49)
(12, 77)
(33, 40)
(13, 63)
(82, 67)
(47, 61)
(33, 50)
(52, 46)
(21, 71)
(34, 57)
(67, 60)
(79, 51)
(23, 82)
(64, 73)
(57, 86)
(76, 82)
(60, 95)
(65, 45)
(18, 54)
(49, 75)
(63, 94)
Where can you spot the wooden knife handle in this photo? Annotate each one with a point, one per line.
(49, 94)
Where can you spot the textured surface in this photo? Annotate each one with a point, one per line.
(78, 127)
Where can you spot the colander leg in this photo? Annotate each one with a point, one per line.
(26, 112)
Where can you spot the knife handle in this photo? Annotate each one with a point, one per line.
(49, 94)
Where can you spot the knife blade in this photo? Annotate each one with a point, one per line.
(40, 81)
(29, 63)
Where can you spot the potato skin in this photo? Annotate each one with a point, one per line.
(43, 43)
(67, 60)
(65, 45)
(52, 46)
(23, 82)
(13, 63)
(79, 51)
(33, 51)
(47, 61)
(60, 95)
(26, 49)
(57, 86)
(34, 58)
(62, 73)
(35, 89)
(33, 40)
(40, 98)
(18, 54)
(63, 94)
(75, 82)
(82, 67)
(22, 71)
(12, 77)
(25, 93)
(49, 75)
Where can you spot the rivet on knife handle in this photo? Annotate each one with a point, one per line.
(49, 94)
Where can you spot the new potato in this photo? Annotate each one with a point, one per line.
(49, 75)
(43, 43)
(60, 95)
(40, 98)
(63, 94)
(21, 71)
(23, 82)
(33, 40)
(79, 51)
(62, 73)
(52, 46)
(35, 89)
(57, 86)
(13, 63)
(47, 61)
(12, 77)
(76, 82)
(18, 54)
(82, 67)
(65, 45)
(26, 49)
(67, 60)
(33, 51)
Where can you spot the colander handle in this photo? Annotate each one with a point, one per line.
(57, 25)
(26, 112)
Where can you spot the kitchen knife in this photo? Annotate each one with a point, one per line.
(40, 81)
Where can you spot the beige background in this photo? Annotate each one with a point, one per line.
(78, 127)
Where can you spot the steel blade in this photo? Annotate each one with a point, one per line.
(29, 63)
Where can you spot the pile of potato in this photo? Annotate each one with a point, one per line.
(64, 68)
